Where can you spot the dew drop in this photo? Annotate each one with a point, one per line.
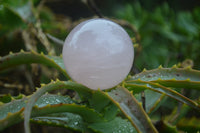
(76, 123)
(57, 100)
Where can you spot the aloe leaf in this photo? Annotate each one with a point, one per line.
(164, 90)
(10, 108)
(177, 114)
(22, 8)
(12, 113)
(66, 119)
(117, 125)
(190, 125)
(14, 109)
(110, 111)
(98, 101)
(168, 74)
(187, 84)
(153, 106)
(167, 77)
(89, 115)
(20, 58)
(171, 77)
(164, 127)
(82, 90)
(152, 100)
(133, 110)
(7, 16)
(11, 119)
(103, 104)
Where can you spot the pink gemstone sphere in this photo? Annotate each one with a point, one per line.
(98, 53)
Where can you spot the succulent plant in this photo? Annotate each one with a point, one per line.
(100, 107)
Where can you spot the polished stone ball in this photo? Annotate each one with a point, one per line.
(98, 53)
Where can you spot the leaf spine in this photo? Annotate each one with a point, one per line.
(160, 67)
(174, 66)
(144, 70)
(188, 79)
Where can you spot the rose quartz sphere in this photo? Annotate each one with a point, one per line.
(98, 53)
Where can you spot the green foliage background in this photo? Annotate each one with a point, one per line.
(167, 37)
